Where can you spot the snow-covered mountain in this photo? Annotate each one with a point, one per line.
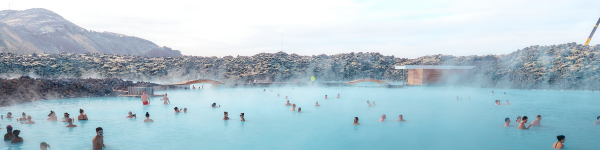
(43, 31)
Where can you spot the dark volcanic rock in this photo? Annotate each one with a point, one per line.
(26, 89)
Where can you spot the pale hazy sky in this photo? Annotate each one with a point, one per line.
(310, 27)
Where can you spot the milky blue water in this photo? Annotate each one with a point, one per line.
(435, 120)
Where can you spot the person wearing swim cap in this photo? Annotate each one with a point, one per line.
(9, 133)
(148, 118)
(98, 141)
(82, 116)
(507, 121)
(355, 121)
(70, 121)
(400, 118)
(44, 146)
(383, 117)
(16, 138)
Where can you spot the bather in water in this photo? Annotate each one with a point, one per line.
(383, 117)
(597, 120)
(16, 138)
(369, 103)
(400, 118)
(317, 104)
(518, 119)
(325, 96)
(98, 141)
(9, 115)
(130, 115)
(299, 109)
(66, 117)
(9, 133)
(506, 103)
(148, 118)
(507, 121)
(242, 116)
(177, 110)
(293, 107)
(70, 121)
(44, 146)
(52, 116)
(355, 121)
(225, 117)
(537, 120)
(165, 100)
(338, 96)
(28, 120)
(82, 116)
(497, 102)
(288, 103)
(561, 141)
(214, 105)
(522, 124)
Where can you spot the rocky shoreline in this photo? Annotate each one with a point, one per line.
(27, 89)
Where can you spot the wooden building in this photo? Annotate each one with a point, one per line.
(422, 75)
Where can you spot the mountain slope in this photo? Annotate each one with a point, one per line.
(43, 31)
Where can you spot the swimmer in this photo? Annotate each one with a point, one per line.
(82, 116)
(98, 141)
(177, 110)
(66, 117)
(355, 121)
(145, 98)
(277, 95)
(299, 109)
(506, 103)
(288, 103)
(522, 124)
(456, 97)
(537, 120)
(497, 102)
(597, 120)
(369, 103)
(9, 115)
(16, 138)
(193, 87)
(202, 87)
(131, 115)
(518, 119)
(264, 90)
(286, 97)
(184, 110)
(52, 116)
(165, 100)
(28, 120)
(325, 96)
(400, 118)
(24, 117)
(214, 105)
(225, 117)
(293, 107)
(492, 93)
(71, 123)
(44, 146)
(507, 120)
(383, 117)
(148, 118)
(9, 133)
(338, 96)
(561, 141)
(317, 104)
(242, 116)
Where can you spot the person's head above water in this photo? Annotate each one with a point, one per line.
(383, 116)
(70, 120)
(9, 128)
(28, 117)
(81, 111)
(165, 94)
(175, 108)
(225, 113)
(524, 119)
(242, 114)
(539, 117)
(560, 137)
(355, 119)
(143, 92)
(299, 109)
(16, 133)
(506, 120)
(147, 115)
(598, 118)
(66, 115)
(44, 145)
(51, 113)
(99, 131)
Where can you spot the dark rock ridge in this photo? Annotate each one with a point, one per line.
(43, 31)
(27, 89)
(568, 66)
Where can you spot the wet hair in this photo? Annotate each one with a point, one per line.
(98, 129)
(242, 114)
(175, 108)
(44, 144)
(356, 119)
(80, 110)
(539, 116)
(51, 112)
(70, 120)
(66, 114)
(506, 119)
(598, 118)
(299, 108)
(23, 113)
(560, 137)
(16, 133)
(224, 113)
(524, 118)
(9, 113)
(147, 114)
